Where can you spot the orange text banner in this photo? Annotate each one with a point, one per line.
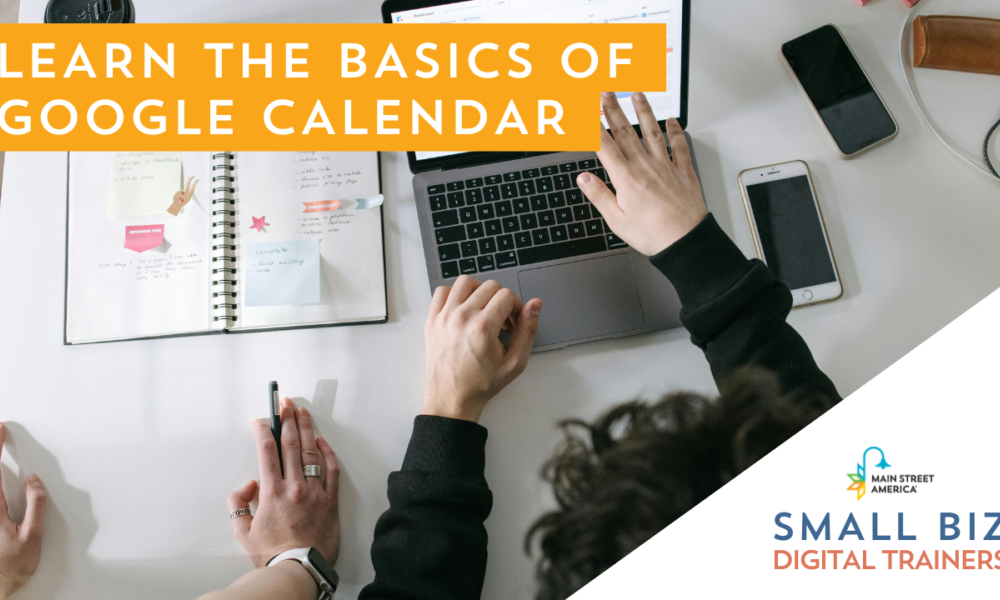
(476, 87)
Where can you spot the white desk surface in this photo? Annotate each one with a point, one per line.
(139, 443)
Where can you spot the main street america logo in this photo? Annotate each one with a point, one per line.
(859, 479)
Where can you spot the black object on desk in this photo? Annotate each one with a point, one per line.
(274, 408)
(986, 150)
(90, 11)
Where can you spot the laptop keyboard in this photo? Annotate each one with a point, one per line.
(517, 218)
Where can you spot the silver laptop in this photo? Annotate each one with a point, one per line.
(520, 219)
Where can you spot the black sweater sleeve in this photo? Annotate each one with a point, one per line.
(431, 543)
(735, 309)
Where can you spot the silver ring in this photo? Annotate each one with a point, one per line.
(239, 512)
(311, 470)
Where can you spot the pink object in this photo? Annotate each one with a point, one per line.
(910, 3)
(140, 238)
(259, 224)
(323, 206)
(863, 2)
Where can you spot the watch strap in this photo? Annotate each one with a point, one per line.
(312, 560)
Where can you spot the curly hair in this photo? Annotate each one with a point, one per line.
(640, 466)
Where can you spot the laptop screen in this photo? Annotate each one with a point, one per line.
(665, 104)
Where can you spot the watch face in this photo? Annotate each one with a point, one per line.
(324, 568)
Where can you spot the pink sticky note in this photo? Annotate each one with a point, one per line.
(863, 2)
(143, 237)
(910, 3)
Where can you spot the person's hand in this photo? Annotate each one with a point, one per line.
(20, 545)
(656, 201)
(182, 198)
(293, 511)
(466, 362)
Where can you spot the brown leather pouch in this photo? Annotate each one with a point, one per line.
(967, 44)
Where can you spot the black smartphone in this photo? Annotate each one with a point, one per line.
(839, 90)
(274, 410)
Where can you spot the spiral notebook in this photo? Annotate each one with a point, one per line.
(176, 244)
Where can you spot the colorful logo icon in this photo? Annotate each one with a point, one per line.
(859, 479)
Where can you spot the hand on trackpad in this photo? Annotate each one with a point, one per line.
(584, 299)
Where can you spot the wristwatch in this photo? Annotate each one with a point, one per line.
(320, 570)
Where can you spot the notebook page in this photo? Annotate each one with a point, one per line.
(288, 197)
(114, 292)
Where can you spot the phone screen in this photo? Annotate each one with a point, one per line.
(839, 89)
(791, 233)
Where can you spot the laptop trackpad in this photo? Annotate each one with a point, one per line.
(584, 299)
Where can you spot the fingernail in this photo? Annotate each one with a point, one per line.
(585, 179)
(608, 94)
(639, 96)
(34, 481)
(536, 308)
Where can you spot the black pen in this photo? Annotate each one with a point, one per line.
(274, 407)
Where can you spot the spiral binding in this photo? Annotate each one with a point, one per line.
(225, 244)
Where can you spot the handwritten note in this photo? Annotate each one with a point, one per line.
(321, 187)
(283, 273)
(143, 183)
(308, 180)
(316, 225)
(156, 268)
(322, 171)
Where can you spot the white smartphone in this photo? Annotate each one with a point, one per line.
(789, 232)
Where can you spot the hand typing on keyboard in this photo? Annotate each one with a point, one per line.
(656, 201)
(466, 363)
